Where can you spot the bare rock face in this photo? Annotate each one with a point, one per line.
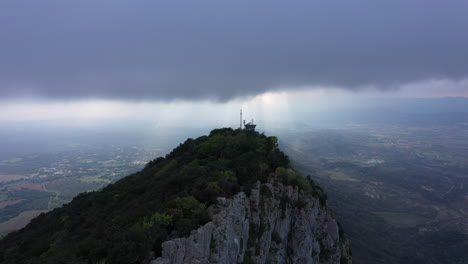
(274, 224)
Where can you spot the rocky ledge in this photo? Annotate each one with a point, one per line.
(273, 224)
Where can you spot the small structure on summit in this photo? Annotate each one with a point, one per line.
(248, 126)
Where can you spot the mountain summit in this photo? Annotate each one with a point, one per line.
(230, 197)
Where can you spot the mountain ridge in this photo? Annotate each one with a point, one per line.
(128, 221)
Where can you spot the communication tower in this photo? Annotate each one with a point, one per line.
(248, 126)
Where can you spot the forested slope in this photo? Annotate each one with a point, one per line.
(127, 221)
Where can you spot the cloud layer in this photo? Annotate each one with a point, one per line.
(161, 50)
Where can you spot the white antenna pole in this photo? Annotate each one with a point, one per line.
(241, 119)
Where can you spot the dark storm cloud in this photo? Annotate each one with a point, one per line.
(222, 49)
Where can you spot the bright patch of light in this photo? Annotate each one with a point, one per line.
(268, 109)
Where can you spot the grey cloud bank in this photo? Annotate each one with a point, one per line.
(161, 50)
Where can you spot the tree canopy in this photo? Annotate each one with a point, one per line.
(126, 221)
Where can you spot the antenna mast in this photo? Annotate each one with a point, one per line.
(241, 119)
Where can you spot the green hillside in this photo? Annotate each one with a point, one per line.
(126, 221)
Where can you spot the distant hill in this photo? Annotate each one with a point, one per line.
(130, 220)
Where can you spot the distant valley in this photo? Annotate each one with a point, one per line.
(399, 191)
(36, 183)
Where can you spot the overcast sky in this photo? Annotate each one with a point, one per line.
(219, 50)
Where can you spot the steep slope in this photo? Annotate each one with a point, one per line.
(275, 224)
(129, 221)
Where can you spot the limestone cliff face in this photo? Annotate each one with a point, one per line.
(274, 224)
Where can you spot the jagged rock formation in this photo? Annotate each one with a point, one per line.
(274, 224)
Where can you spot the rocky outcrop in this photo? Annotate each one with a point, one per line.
(274, 224)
